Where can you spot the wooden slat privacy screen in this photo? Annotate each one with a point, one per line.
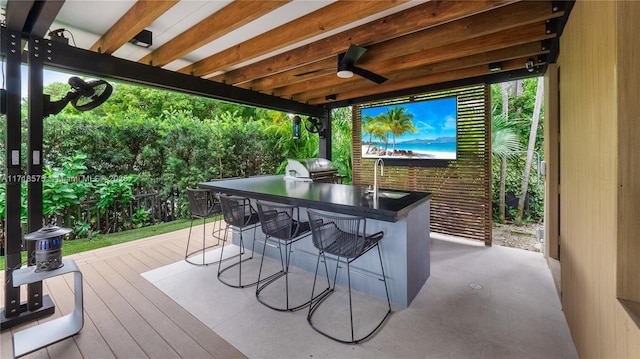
(461, 201)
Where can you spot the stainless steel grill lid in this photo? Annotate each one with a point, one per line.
(309, 167)
(48, 247)
(315, 165)
(312, 170)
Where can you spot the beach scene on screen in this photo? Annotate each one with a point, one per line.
(414, 130)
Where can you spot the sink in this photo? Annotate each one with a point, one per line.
(390, 194)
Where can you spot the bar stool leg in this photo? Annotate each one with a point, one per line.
(350, 301)
(242, 251)
(272, 277)
(320, 297)
(204, 237)
(226, 229)
(186, 252)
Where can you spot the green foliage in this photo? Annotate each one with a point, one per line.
(279, 135)
(243, 143)
(515, 168)
(504, 138)
(140, 218)
(148, 139)
(62, 187)
(81, 228)
(23, 207)
(341, 147)
(113, 147)
(114, 190)
(508, 137)
(66, 187)
(521, 120)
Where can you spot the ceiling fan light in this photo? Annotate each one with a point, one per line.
(345, 74)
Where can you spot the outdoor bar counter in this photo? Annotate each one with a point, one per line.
(402, 215)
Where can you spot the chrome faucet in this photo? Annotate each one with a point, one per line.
(380, 162)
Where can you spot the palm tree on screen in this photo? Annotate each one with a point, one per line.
(368, 126)
(376, 127)
(399, 122)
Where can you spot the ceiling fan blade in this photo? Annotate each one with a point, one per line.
(352, 55)
(315, 71)
(368, 75)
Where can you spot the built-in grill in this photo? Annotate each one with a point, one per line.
(312, 170)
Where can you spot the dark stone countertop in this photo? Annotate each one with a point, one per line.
(337, 198)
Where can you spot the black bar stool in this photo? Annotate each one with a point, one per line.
(240, 216)
(203, 205)
(345, 238)
(282, 227)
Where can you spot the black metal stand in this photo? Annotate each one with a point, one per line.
(25, 315)
(37, 306)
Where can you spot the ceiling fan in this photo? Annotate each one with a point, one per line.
(86, 96)
(347, 67)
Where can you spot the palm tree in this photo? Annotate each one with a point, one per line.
(504, 143)
(380, 129)
(504, 138)
(399, 122)
(530, 149)
(375, 127)
(368, 126)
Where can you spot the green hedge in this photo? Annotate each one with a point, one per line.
(163, 141)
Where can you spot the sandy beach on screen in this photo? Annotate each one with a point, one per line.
(415, 155)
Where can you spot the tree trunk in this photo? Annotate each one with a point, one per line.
(532, 142)
(503, 162)
(519, 85)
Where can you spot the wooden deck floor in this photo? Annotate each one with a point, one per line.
(125, 315)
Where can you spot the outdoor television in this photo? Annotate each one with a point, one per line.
(418, 131)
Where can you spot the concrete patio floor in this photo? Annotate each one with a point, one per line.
(480, 302)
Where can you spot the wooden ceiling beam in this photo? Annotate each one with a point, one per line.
(473, 35)
(325, 19)
(227, 19)
(292, 76)
(321, 68)
(419, 81)
(414, 61)
(141, 15)
(411, 20)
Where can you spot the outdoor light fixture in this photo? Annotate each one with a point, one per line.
(143, 39)
(330, 97)
(296, 126)
(347, 67)
(529, 65)
(345, 74)
(495, 66)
